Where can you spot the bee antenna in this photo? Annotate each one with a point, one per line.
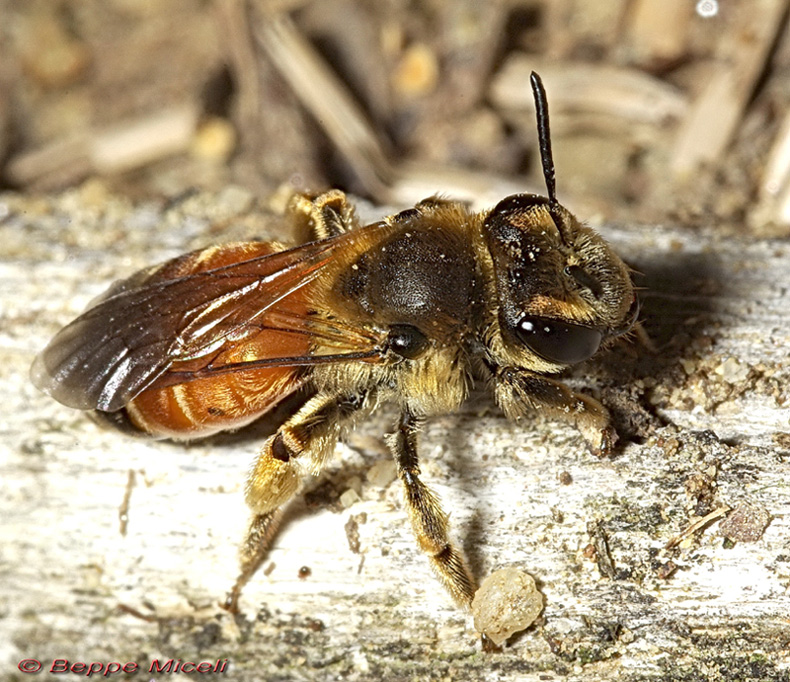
(544, 135)
(544, 141)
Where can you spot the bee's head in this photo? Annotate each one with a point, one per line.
(561, 290)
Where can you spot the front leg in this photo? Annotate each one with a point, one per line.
(517, 391)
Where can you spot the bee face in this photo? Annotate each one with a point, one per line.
(560, 290)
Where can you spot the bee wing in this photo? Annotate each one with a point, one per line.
(151, 323)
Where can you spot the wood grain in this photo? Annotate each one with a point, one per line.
(704, 423)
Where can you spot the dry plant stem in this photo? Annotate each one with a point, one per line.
(714, 117)
(417, 180)
(145, 140)
(774, 199)
(62, 161)
(128, 145)
(696, 526)
(658, 31)
(327, 98)
(616, 92)
(233, 19)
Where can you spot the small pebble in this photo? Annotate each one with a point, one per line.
(732, 371)
(507, 602)
(745, 523)
(349, 498)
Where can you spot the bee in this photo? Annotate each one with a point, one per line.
(410, 309)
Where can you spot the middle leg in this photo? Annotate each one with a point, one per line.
(428, 520)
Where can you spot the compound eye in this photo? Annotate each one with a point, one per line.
(558, 342)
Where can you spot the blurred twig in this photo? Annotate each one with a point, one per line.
(327, 98)
(621, 93)
(234, 22)
(712, 122)
(773, 204)
(128, 145)
(657, 32)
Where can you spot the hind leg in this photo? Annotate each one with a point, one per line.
(300, 447)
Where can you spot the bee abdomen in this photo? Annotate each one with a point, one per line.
(205, 406)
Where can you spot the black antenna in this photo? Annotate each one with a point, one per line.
(544, 135)
(544, 141)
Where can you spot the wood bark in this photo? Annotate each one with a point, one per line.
(346, 594)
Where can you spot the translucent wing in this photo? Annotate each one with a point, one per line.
(185, 318)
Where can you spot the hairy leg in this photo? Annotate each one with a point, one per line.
(300, 446)
(428, 520)
(322, 216)
(517, 391)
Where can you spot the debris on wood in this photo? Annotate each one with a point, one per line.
(746, 523)
(507, 602)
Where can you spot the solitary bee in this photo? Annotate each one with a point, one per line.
(407, 309)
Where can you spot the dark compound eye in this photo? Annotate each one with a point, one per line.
(558, 341)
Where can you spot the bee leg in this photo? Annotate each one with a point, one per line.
(253, 551)
(435, 201)
(323, 216)
(299, 447)
(517, 390)
(428, 520)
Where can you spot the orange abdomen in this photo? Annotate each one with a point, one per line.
(219, 402)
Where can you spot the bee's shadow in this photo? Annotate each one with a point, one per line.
(679, 296)
(680, 314)
(680, 307)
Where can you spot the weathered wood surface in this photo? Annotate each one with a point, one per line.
(705, 424)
